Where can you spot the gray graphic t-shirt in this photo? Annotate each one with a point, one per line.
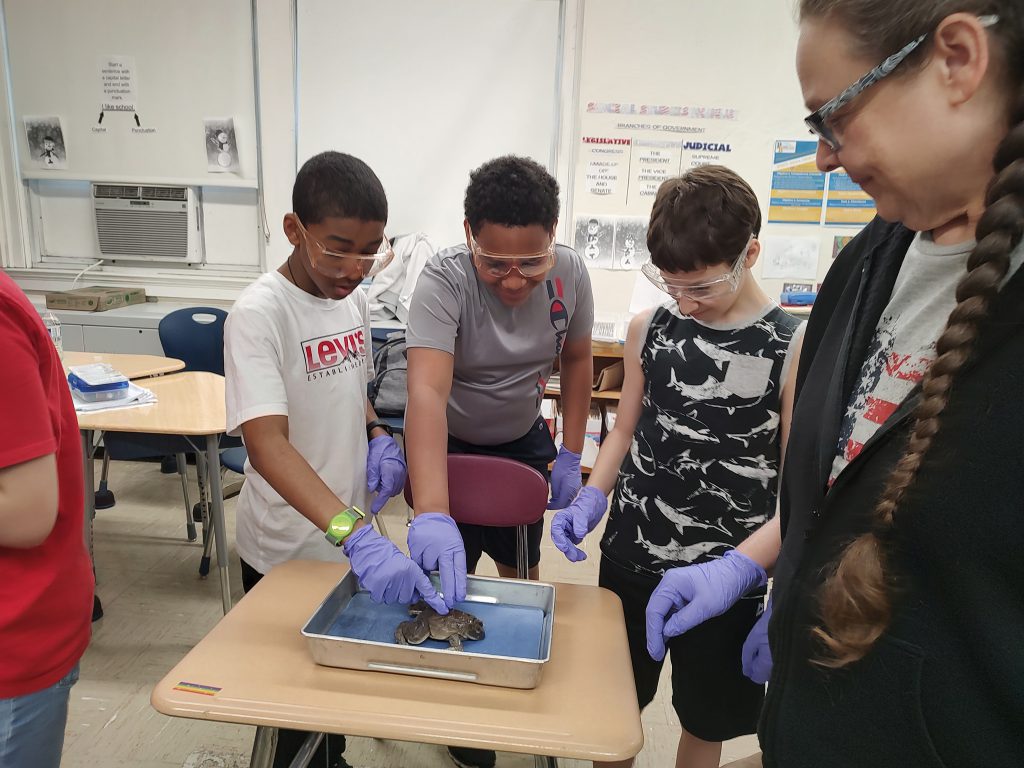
(903, 345)
(503, 355)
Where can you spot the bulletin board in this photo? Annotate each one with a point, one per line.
(426, 92)
(665, 86)
(133, 90)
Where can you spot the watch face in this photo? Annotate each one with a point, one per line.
(340, 526)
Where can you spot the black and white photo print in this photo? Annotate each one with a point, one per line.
(46, 143)
(221, 150)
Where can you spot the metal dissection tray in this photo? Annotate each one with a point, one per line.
(349, 630)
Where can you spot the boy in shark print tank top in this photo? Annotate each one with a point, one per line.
(693, 459)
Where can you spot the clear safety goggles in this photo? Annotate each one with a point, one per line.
(677, 289)
(339, 264)
(500, 265)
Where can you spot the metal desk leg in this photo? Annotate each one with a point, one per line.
(89, 477)
(305, 754)
(217, 514)
(89, 483)
(264, 747)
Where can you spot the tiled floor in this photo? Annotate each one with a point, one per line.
(156, 609)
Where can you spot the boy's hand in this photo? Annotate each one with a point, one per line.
(693, 594)
(385, 470)
(566, 478)
(757, 656)
(570, 525)
(435, 544)
(388, 575)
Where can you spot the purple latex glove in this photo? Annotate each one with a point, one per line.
(435, 544)
(757, 656)
(566, 478)
(570, 525)
(388, 575)
(385, 470)
(693, 594)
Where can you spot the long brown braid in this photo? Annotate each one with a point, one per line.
(856, 600)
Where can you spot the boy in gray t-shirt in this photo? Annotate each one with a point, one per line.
(487, 321)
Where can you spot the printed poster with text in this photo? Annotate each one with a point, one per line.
(846, 204)
(626, 151)
(798, 187)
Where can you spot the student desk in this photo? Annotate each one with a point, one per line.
(189, 405)
(259, 672)
(132, 366)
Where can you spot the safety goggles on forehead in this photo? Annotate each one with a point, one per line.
(500, 265)
(674, 287)
(340, 264)
(818, 121)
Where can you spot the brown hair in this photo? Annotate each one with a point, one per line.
(701, 218)
(856, 598)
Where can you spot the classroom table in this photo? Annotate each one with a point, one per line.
(255, 668)
(189, 405)
(132, 366)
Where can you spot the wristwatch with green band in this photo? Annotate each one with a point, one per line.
(342, 525)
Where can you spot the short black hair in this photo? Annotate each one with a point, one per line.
(333, 184)
(513, 192)
(701, 219)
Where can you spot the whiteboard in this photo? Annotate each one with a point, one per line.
(424, 92)
(185, 61)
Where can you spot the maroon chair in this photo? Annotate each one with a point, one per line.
(494, 491)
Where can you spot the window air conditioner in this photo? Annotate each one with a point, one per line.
(148, 223)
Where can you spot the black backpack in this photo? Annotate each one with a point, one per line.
(387, 392)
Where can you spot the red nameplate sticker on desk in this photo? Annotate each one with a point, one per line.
(203, 690)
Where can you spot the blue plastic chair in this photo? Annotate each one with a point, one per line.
(195, 335)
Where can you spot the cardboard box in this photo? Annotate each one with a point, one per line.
(95, 298)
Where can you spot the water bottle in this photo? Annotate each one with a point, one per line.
(53, 328)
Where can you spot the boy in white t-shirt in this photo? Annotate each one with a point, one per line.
(297, 361)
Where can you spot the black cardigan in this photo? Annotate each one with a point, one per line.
(945, 684)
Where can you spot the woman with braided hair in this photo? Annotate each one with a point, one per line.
(898, 626)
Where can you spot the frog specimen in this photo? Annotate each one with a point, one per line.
(426, 622)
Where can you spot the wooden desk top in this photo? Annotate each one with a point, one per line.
(584, 706)
(190, 403)
(132, 366)
(607, 348)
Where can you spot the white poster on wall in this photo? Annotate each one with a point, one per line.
(118, 86)
(794, 258)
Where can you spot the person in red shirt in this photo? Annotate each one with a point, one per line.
(46, 580)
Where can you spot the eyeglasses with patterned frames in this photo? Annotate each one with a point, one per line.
(500, 265)
(712, 289)
(819, 121)
(337, 264)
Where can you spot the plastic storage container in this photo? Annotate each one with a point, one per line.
(97, 382)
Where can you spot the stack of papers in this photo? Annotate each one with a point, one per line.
(136, 396)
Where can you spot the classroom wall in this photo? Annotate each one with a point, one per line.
(639, 58)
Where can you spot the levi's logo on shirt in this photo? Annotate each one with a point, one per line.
(334, 353)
